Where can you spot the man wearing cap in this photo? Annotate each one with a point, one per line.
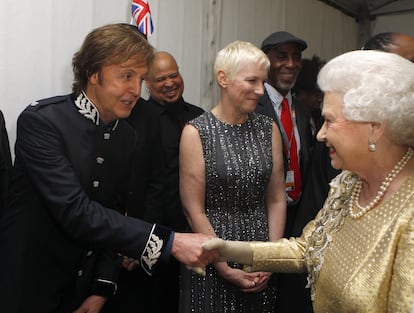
(285, 54)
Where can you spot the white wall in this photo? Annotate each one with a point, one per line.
(403, 23)
(38, 39)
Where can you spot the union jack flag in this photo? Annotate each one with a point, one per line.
(141, 14)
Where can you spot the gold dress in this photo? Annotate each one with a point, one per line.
(355, 265)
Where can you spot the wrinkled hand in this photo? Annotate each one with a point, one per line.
(236, 251)
(188, 249)
(92, 304)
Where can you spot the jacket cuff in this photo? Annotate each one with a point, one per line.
(156, 246)
(104, 288)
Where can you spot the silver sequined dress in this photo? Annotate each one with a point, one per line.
(238, 160)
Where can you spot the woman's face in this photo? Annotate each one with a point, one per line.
(347, 141)
(247, 86)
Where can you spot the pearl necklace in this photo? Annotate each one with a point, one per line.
(354, 205)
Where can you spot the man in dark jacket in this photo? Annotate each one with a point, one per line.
(64, 229)
(285, 54)
(158, 123)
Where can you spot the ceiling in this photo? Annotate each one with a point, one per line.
(371, 8)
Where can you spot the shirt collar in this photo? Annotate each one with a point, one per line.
(276, 97)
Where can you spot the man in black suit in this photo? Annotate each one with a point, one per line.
(285, 54)
(64, 229)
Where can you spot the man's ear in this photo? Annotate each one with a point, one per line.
(93, 79)
(222, 78)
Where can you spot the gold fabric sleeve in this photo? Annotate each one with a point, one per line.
(282, 256)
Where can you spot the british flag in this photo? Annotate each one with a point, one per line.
(141, 14)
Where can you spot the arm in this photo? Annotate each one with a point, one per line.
(192, 181)
(282, 256)
(104, 283)
(275, 192)
(41, 151)
(400, 296)
(192, 191)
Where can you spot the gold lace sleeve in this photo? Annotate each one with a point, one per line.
(282, 256)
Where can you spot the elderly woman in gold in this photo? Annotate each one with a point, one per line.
(359, 250)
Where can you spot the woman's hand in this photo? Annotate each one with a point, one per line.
(247, 282)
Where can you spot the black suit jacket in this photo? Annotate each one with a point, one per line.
(67, 196)
(146, 201)
(304, 128)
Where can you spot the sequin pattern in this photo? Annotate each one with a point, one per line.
(356, 265)
(238, 162)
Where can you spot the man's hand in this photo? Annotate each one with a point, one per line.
(129, 264)
(92, 304)
(236, 251)
(188, 249)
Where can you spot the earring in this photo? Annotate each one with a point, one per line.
(372, 147)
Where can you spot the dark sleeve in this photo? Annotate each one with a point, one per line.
(5, 163)
(41, 150)
(107, 273)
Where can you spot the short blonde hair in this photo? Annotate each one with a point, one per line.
(238, 53)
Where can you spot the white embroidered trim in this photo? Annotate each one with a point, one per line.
(87, 108)
(152, 252)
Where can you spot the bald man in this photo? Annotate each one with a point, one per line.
(158, 123)
(166, 86)
(397, 43)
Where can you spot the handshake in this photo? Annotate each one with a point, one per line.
(235, 251)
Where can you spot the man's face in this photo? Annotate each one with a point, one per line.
(164, 81)
(285, 64)
(403, 46)
(116, 88)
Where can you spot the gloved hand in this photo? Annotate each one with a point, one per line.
(236, 251)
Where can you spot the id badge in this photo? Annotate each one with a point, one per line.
(290, 181)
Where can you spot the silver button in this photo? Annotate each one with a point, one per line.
(80, 272)
(95, 184)
(89, 253)
(107, 136)
(100, 160)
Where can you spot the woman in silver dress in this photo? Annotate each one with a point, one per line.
(232, 183)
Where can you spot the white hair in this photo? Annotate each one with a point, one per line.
(375, 87)
(239, 53)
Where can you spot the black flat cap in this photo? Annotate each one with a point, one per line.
(278, 38)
